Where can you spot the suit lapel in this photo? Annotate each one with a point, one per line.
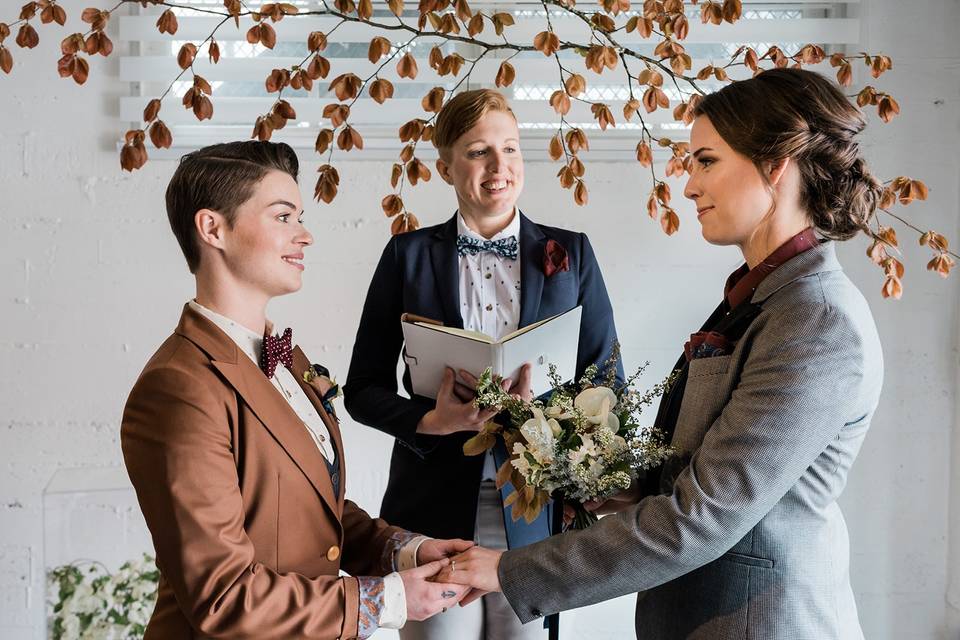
(532, 246)
(446, 272)
(277, 416)
(301, 364)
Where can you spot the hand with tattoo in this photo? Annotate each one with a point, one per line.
(426, 598)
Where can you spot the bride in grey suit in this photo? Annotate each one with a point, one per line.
(739, 535)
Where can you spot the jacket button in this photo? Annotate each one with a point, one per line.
(333, 553)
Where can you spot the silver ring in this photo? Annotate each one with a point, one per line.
(453, 566)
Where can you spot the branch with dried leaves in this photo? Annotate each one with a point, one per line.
(665, 21)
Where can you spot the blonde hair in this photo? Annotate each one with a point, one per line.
(462, 112)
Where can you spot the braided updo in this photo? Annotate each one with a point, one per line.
(792, 113)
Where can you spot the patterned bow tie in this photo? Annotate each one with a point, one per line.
(504, 247)
(276, 350)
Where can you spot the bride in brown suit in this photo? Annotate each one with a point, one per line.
(233, 447)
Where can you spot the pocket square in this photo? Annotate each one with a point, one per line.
(707, 344)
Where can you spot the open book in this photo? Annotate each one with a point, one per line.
(430, 347)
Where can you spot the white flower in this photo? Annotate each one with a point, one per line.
(540, 433)
(597, 404)
(556, 411)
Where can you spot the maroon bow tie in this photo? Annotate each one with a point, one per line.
(276, 349)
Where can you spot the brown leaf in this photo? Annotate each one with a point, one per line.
(877, 252)
(5, 31)
(630, 108)
(577, 140)
(337, 113)
(160, 135)
(652, 208)
(505, 75)
(203, 108)
(379, 47)
(566, 176)
(395, 174)
(81, 71)
(167, 23)
(327, 183)
(277, 80)
(575, 84)
(603, 115)
(71, 44)
(406, 154)
(411, 130)
(433, 101)
(580, 193)
(381, 90)
(669, 221)
(546, 42)
(365, 9)
(941, 264)
(396, 6)
(151, 110)
(324, 140)
(403, 224)
(187, 54)
(407, 67)
(346, 86)
(451, 64)
(391, 205)
(200, 84)
(501, 20)
(133, 156)
(27, 36)
(285, 110)
(675, 167)
(556, 148)
(560, 102)
(732, 10)
(316, 41)
(644, 154)
(892, 288)
(213, 51)
(577, 167)
(475, 26)
(319, 67)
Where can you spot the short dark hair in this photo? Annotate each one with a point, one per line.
(220, 177)
(799, 114)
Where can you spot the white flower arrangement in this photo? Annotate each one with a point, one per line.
(87, 602)
(583, 443)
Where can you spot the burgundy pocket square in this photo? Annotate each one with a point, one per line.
(707, 344)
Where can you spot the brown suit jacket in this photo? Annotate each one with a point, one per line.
(249, 537)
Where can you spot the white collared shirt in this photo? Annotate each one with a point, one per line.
(394, 612)
(490, 285)
(251, 343)
(490, 296)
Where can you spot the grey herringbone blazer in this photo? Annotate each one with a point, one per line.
(750, 542)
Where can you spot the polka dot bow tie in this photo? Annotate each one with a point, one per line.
(276, 350)
(504, 247)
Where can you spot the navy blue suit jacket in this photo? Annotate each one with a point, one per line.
(433, 487)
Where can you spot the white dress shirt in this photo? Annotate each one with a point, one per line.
(394, 612)
(490, 296)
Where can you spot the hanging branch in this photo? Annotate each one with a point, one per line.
(663, 21)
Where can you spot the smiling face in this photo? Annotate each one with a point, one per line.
(733, 201)
(263, 250)
(485, 167)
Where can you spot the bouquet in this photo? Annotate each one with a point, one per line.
(583, 442)
(87, 601)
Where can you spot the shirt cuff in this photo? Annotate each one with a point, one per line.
(388, 558)
(372, 602)
(394, 613)
(406, 556)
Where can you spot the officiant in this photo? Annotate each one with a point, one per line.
(491, 269)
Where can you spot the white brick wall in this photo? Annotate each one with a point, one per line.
(92, 281)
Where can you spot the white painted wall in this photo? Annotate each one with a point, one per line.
(92, 282)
